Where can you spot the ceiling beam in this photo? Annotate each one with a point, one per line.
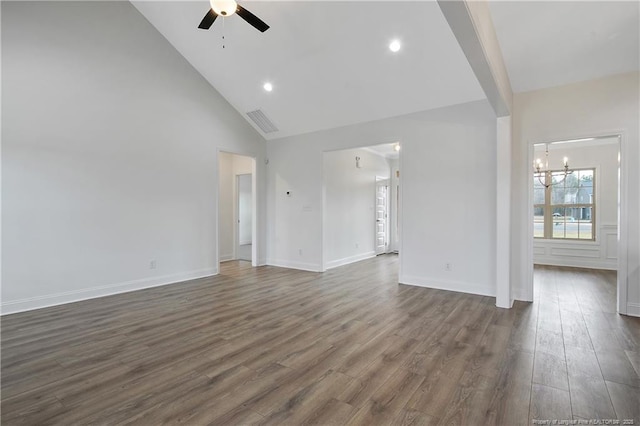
(470, 21)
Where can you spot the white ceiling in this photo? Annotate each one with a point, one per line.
(551, 43)
(329, 62)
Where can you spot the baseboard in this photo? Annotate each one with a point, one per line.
(633, 309)
(350, 259)
(303, 266)
(461, 287)
(226, 257)
(49, 300)
(576, 263)
(506, 307)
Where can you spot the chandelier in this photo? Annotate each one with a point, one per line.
(540, 170)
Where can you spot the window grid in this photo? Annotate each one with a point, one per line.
(561, 211)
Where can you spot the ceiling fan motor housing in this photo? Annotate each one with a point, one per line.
(224, 7)
(228, 8)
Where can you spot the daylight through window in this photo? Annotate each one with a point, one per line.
(564, 210)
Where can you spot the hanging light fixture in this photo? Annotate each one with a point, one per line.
(224, 7)
(540, 170)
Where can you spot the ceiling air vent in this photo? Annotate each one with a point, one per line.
(262, 121)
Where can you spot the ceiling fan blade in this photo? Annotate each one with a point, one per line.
(252, 19)
(208, 20)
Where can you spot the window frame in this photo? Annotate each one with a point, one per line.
(548, 208)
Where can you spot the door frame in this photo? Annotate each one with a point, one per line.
(254, 204)
(236, 215)
(623, 214)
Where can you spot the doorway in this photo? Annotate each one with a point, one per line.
(236, 208)
(578, 220)
(360, 204)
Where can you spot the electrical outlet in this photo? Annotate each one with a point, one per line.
(447, 267)
(153, 264)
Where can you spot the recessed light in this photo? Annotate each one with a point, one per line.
(394, 46)
(268, 87)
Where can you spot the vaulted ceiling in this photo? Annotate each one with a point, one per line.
(329, 62)
(330, 65)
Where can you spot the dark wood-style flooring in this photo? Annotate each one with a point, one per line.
(350, 346)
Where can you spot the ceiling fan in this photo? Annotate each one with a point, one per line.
(228, 8)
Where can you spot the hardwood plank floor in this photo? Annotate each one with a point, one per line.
(274, 346)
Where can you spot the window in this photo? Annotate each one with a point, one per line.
(566, 209)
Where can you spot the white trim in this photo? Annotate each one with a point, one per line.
(606, 246)
(575, 252)
(527, 293)
(458, 286)
(502, 272)
(254, 213)
(577, 244)
(303, 266)
(400, 211)
(609, 226)
(55, 299)
(350, 259)
(226, 257)
(563, 241)
(577, 263)
(623, 226)
(323, 218)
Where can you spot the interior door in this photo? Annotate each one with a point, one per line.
(382, 231)
(245, 219)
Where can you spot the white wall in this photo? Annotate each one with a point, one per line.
(593, 108)
(349, 216)
(109, 155)
(449, 207)
(601, 253)
(448, 194)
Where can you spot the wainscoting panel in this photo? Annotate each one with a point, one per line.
(575, 252)
(599, 254)
(612, 244)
